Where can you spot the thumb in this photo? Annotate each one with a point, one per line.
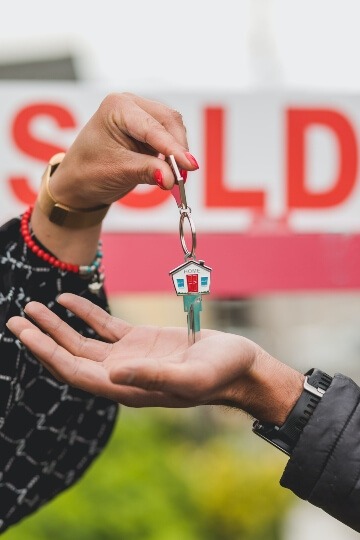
(174, 380)
(149, 375)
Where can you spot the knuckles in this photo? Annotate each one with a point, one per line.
(176, 117)
(114, 101)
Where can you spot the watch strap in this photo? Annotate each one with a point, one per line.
(61, 214)
(285, 437)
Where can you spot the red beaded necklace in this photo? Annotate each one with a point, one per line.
(50, 259)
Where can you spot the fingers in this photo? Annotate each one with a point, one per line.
(146, 169)
(76, 371)
(17, 324)
(80, 372)
(153, 124)
(117, 150)
(66, 336)
(172, 120)
(110, 328)
(142, 120)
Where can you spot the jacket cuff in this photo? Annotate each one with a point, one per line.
(324, 467)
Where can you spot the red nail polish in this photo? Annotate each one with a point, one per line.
(192, 160)
(159, 179)
(184, 174)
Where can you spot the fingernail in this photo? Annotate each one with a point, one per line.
(192, 160)
(184, 174)
(159, 179)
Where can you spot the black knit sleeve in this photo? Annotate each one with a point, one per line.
(49, 432)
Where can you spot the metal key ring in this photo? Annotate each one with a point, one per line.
(185, 214)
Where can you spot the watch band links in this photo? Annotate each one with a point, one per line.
(59, 213)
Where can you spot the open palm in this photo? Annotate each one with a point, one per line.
(135, 365)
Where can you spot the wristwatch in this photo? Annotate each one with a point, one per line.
(59, 213)
(285, 437)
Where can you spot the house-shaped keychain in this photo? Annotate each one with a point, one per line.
(191, 277)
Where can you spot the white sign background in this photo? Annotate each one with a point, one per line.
(254, 147)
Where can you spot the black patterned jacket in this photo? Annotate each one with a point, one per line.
(49, 432)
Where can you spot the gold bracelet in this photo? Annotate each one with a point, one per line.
(59, 213)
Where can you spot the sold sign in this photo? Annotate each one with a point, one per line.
(277, 174)
(216, 196)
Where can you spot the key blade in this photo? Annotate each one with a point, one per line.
(191, 326)
(193, 307)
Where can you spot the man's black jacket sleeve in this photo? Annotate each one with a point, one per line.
(325, 465)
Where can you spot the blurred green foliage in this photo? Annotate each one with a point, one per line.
(170, 475)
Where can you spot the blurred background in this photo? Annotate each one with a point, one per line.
(270, 94)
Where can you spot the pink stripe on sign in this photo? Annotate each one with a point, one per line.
(243, 265)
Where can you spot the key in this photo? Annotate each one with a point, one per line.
(192, 278)
(193, 306)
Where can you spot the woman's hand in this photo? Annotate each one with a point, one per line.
(150, 366)
(118, 149)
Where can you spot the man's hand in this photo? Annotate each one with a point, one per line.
(151, 366)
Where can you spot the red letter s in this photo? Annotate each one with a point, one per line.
(33, 147)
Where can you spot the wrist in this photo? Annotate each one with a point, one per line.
(286, 436)
(68, 187)
(60, 213)
(77, 246)
(269, 389)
